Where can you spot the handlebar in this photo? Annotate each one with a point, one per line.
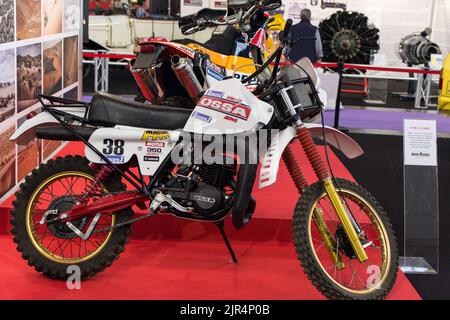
(192, 24)
(284, 39)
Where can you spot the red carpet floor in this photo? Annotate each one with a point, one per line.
(168, 258)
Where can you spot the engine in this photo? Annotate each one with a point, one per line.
(417, 48)
(204, 188)
(349, 36)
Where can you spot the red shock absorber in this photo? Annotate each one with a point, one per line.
(102, 173)
(294, 169)
(312, 153)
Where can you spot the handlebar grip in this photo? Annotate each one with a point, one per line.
(287, 29)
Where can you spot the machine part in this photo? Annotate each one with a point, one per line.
(96, 187)
(312, 154)
(185, 74)
(161, 197)
(349, 36)
(217, 175)
(57, 209)
(88, 232)
(294, 169)
(417, 48)
(146, 84)
(208, 199)
(221, 226)
(344, 244)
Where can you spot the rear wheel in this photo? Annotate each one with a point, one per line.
(326, 254)
(50, 247)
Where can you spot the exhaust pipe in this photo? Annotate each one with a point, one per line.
(185, 74)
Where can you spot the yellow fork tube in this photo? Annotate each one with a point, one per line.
(328, 239)
(345, 220)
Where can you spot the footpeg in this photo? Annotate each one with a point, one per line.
(161, 197)
(88, 233)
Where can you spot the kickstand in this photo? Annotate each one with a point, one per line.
(221, 226)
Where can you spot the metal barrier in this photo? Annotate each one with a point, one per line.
(101, 59)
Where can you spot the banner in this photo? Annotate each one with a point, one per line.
(40, 53)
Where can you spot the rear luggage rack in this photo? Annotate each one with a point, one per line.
(56, 102)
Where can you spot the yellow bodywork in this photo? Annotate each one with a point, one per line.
(242, 64)
(444, 98)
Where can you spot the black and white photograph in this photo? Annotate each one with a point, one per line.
(72, 14)
(29, 73)
(6, 21)
(7, 84)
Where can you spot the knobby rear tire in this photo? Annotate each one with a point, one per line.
(103, 259)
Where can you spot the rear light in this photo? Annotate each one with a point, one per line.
(441, 80)
(31, 115)
(149, 48)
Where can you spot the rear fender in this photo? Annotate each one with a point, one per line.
(174, 48)
(27, 131)
(271, 160)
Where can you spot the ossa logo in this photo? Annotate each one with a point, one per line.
(155, 135)
(234, 109)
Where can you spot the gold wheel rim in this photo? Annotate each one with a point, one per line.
(29, 221)
(383, 237)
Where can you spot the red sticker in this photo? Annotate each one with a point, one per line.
(234, 109)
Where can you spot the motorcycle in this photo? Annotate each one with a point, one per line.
(77, 211)
(175, 72)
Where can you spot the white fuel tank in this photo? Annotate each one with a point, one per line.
(228, 107)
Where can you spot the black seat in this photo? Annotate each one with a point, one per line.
(107, 109)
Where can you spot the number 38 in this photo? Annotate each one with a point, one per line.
(113, 147)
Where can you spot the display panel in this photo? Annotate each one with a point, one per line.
(39, 54)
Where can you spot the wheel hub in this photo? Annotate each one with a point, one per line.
(60, 229)
(346, 44)
(344, 244)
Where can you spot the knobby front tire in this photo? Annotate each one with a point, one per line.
(355, 280)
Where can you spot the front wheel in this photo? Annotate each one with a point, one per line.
(326, 254)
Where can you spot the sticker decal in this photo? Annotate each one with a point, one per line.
(155, 135)
(115, 158)
(201, 116)
(151, 158)
(238, 110)
(214, 93)
(115, 147)
(153, 151)
(230, 118)
(155, 144)
(214, 74)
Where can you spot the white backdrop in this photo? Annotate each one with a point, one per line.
(395, 19)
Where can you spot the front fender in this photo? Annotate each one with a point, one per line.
(27, 131)
(271, 160)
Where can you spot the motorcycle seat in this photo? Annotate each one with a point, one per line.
(110, 110)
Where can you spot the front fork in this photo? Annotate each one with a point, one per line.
(350, 226)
